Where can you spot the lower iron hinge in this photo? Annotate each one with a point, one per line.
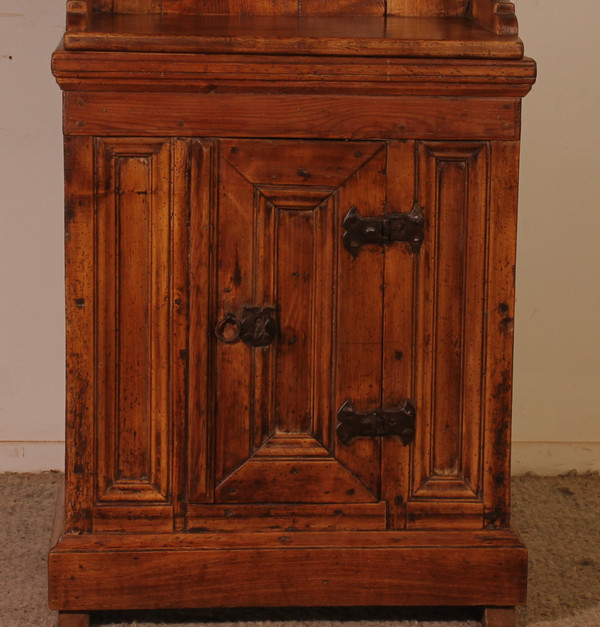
(379, 422)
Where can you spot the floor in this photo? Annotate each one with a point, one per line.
(558, 517)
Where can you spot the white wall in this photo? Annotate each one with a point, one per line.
(557, 357)
(557, 323)
(31, 259)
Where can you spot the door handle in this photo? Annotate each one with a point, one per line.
(256, 326)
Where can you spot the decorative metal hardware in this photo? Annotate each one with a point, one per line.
(228, 329)
(383, 229)
(256, 326)
(379, 422)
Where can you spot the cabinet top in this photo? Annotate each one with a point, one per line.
(396, 28)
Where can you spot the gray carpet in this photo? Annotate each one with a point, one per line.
(558, 517)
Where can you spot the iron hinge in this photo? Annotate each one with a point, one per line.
(383, 229)
(399, 421)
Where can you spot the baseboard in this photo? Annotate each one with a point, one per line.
(555, 458)
(31, 456)
(543, 458)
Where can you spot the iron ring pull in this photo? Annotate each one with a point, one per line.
(221, 326)
(256, 327)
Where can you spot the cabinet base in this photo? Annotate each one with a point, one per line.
(118, 571)
(152, 571)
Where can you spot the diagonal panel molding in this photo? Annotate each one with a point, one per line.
(292, 445)
(295, 197)
(293, 481)
(298, 163)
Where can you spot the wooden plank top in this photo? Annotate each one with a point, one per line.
(419, 37)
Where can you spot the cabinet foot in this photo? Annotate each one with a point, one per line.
(499, 617)
(73, 619)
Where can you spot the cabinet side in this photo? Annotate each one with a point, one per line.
(79, 305)
(500, 301)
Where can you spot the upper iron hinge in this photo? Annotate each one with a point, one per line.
(383, 229)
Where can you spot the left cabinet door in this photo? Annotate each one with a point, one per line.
(126, 251)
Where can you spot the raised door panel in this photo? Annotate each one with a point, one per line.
(139, 284)
(262, 429)
(446, 484)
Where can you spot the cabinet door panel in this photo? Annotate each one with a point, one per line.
(277, 243)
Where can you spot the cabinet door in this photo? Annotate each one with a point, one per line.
(266, 235)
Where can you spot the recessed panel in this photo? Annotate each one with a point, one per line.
(450, 328)
(133, 254)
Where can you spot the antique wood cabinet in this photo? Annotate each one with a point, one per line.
(290, 246)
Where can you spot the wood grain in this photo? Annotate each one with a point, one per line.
(233, 289)
(276, 574)
(496, 15)
(104, 71)
(483, 10)
(133, 267)
(114, 542)
(133, 518)
(279, 224)
(73, 619)
(398, 354)
(199, 434)
(358, 35)
(359, 317)
(212, 151)
(453, 194)
(430, 7)
(78, 14)
(500, 332)
(296, 481)
(304, 116)
(80, 410)
(499, 617)
(175, 466)
(297, 517)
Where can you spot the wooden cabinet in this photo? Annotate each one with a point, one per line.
(289, 290)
